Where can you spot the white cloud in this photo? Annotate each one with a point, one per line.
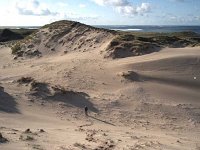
(125, 7)
(144, 8)
(78, 17)
(126, 10)
(112, 2)
(131, 10)
(33, 8)
(37, 13)
(82, 5)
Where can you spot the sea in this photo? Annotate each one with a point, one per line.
(132, 28)
(148, 28)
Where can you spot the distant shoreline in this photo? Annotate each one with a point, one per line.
(20, 27)
(129, 28)
(150, 28)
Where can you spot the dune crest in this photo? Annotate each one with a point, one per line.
(64, 37)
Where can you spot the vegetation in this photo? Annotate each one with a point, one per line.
(126, 37)
(14, 34)
(24, 32)
(16, 48)
(25, 80)
(58, 24)
(29, 37)
(125, 44)
(128, 44)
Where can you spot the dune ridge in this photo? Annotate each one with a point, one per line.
(69, 36)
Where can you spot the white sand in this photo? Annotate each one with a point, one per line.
(161, 111)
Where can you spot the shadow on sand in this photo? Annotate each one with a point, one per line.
(7, 102)
(101, 120)
(53, 93)
(77, 99)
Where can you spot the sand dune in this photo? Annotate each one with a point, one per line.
(142, 102)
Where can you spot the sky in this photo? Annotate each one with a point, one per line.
(100, 12)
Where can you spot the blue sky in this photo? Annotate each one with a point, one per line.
(100, 12)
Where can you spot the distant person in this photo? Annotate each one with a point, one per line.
(86, 110)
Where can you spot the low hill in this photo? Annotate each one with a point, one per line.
(14, 34)
(128, 44)
(63, 37)
(7, 35)
(68, 36)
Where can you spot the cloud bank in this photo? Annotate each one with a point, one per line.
(125, 7)
(33, 8)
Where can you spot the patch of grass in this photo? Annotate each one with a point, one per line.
(25, 80)
(16, 48)
(79, 145)
(29, 37)
(58, 24)
(38, 147)
(24, 32)
(126, 37)
(26, 138)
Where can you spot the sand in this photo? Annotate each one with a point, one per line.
(143, 102)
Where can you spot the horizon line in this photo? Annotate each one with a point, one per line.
(94, 25)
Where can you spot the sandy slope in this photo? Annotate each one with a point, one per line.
(156, 107)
